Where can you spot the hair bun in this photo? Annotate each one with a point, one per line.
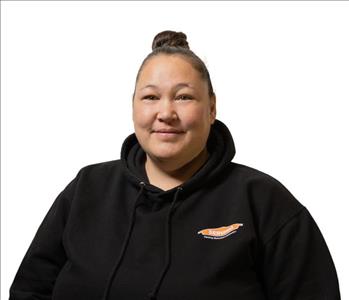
(170, 38)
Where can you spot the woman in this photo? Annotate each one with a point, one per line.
(175, 218)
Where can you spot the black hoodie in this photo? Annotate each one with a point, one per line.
(229, 232)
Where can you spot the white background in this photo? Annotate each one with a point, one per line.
(280, 71)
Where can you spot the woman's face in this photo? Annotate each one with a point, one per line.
(171, 95)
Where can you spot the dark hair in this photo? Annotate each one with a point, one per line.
(172, 42)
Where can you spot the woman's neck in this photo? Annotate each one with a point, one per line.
(159, 175)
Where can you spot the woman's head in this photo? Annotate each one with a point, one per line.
(175, 43)
(173, 91)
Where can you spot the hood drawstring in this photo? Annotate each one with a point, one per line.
(153, 293)
(129, 231)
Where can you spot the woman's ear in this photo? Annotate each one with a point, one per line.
(213, 111)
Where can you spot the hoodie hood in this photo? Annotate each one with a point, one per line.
(220, 146)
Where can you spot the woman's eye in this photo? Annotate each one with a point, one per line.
(184, 97)
(151, 97)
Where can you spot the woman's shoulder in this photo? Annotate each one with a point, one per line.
(246, 172)
(256, 179)
(99, 172)
(270, 201)
(100, 167)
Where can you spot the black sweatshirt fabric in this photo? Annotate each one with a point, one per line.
(229, 232)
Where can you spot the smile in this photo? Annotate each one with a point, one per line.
(167, 134)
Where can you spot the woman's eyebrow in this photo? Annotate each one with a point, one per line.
(177, 86)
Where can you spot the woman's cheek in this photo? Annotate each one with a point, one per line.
(143, 115)
(194, 116)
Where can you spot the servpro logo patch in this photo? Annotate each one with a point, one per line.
(220, 232)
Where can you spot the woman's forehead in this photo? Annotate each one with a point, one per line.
(168, 70)
(176, 86)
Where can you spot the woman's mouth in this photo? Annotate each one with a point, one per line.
(168, 134)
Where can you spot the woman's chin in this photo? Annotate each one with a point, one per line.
(165, 155)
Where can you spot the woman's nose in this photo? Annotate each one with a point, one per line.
(167, 110)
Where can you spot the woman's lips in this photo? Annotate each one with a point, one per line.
(167, 134)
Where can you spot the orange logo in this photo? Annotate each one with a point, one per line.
(220, 232)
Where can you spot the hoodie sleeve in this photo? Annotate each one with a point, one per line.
(46, 254)
(297, 264)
